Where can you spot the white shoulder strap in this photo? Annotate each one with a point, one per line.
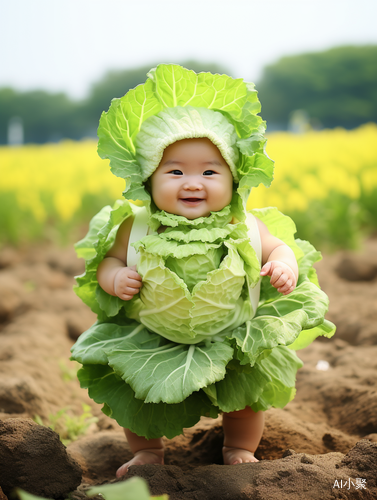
(253, 234)
(256, 243)
(139, 230)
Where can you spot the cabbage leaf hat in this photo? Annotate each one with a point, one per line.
(175, 124)
(176, 103)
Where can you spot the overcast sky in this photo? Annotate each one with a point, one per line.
(66, 45)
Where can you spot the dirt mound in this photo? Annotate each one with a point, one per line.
(100, 455)
(33, 458)
(335, 405)
(298, 476)
(351, 268)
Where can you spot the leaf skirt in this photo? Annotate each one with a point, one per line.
(156, 388)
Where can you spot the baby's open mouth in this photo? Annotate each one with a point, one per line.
(192, 199)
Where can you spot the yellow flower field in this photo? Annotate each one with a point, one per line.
(329, 175)
(64, 173)
(314, 165)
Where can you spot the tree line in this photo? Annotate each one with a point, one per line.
(48, 117)
(337, 87)
(333, 88)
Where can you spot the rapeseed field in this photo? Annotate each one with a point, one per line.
(326, 180)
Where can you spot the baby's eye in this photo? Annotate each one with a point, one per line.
(209, 172)
(176, 172)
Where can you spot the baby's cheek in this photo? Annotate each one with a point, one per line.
(164, 196)
(222, 196)
(227, 193)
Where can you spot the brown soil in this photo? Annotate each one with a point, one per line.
(324, 438)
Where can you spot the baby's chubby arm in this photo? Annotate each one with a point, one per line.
(278, 261)
(113, 274)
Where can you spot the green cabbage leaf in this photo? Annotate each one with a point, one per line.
(93, 248)
(145, 419)
(271, 379)
(280, 322)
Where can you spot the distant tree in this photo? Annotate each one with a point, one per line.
(7, 111)
(45, 116)
(337, 87)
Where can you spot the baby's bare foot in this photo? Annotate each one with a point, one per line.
(234, 456)
(151, 456)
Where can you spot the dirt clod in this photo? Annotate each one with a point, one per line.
(20, 395)
(33, 458)
(2, 495)
(363, 457)
(351, 268)
(11, 293)
(100, 455)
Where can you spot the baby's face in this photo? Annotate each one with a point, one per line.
(192, 179)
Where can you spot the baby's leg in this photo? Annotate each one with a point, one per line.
(146, 451)
(242, 432)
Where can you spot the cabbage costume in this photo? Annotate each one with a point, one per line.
(192, 343)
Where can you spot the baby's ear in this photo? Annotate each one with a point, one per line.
(147, 185)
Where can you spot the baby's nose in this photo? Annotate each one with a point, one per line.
(193, 183)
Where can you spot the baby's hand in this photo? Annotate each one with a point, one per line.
(127, 283)
(282, 276)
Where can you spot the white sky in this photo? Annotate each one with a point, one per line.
(66, 45)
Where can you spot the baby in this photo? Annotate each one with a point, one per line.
(193, 180)
(201, 305)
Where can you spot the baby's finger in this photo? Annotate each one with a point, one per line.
(287, 286)
(292, 287)
(281, 281)
(266, 269)
(275, 276)
(134, 275)
(133, 283)
(130, 291)
(125, 296)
